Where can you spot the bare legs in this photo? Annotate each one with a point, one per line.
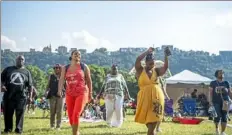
(151, 128)
(75, 130)
(223, 126)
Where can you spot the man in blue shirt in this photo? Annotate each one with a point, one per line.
(219, 91)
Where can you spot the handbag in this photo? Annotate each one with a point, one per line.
(225, 104)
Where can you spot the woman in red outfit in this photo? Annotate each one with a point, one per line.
(78, 88)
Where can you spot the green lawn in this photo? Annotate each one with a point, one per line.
(35, 125)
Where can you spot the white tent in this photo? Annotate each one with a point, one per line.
(188, 77)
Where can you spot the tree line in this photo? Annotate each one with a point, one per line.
(98, 73)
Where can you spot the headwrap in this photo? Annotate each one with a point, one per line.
(150, 56)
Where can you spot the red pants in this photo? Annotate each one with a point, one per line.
(75, 106)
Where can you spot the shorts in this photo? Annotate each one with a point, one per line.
(221, 115)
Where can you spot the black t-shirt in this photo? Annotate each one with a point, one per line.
(16, 81)
(220, 89)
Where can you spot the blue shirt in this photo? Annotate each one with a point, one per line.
(218, 89)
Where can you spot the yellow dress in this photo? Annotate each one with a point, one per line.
(150, 99)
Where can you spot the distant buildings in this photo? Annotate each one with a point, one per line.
(7, 51)
(47, 49)
(62, 50)
(72, 49)
(83, 51)
(138, 49)
(32, 50)
(226, 55)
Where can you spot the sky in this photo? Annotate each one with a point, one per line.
(89, 25)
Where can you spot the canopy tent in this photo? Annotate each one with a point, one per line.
(185, 82)
(188, 77)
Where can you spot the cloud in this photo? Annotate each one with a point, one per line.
(24, 39)
(224, 20)
(84, 40)
(7, 43)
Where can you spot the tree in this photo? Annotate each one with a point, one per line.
(39, 78)
(98, 76)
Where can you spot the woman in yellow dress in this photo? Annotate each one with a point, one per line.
(150, 98)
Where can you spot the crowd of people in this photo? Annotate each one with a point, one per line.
(70, 86)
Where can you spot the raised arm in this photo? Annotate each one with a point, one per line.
(161, 71)
(138, 66)
(61, 81)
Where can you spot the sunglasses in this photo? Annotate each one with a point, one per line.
(56, 67)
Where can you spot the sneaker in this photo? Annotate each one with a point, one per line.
(223, 133)
(58, 129)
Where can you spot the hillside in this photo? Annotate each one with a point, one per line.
(199, 62)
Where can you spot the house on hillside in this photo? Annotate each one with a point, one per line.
(62, 50)
(226, 56)
(83, 51)
(72, 49)
(7, 51)
(47, 49)
(32, 50)
(125, 50)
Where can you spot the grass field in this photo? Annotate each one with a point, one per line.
(35, 125)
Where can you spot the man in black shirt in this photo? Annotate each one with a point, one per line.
(15, 82)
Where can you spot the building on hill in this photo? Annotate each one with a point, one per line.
(125, 50)
(226, 55)
(140, 49)
(62, 50)
(72, 49)
(129, 49)
(7, 51)
(32, 50)
(83, 51)
(47, 49)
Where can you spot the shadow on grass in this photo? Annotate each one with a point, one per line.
(38, 118)
(137, 133)
(96, 126)
(38, 129)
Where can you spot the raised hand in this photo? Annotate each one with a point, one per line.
(167, 51)
(150, 50)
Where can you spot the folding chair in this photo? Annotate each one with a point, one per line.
(168, 109)
(189, 108)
